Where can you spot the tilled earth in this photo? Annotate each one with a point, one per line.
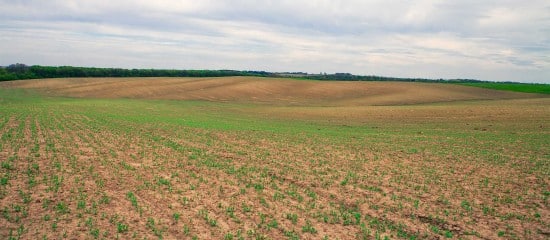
(84, 169)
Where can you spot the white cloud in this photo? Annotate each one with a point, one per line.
(494, 40)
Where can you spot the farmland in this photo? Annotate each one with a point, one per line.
(255, 158)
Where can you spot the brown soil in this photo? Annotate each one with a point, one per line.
(264, 90)
(464, 169)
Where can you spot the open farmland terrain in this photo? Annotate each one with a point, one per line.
(265, 90)
(253, 158)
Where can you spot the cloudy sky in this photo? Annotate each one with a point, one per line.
(501, 40)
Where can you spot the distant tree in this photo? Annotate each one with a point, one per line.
(17, 68)
(5, 75)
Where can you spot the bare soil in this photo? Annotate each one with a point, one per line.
(455, 162)
(265, 90)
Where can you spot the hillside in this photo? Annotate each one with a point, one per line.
(312, 160)
(264, 90)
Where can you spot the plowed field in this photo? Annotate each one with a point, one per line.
(265, 90)
(253, 158)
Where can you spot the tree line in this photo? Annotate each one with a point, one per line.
(20, 71)
(352, 77)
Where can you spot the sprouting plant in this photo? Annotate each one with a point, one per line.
(186, 229)
(273, 224)
(62, 208)
(121, 227)
(133, 199)
(230, 211)
(164, 181)
(81, 204)
(292, 217)
(246, 208)
(176, 216)
(95, 233)
(228, 236)
(4, 181)
(416, 203)
(204, 214)
(466, 205)
(258, 187)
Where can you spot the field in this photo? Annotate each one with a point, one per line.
(518, 87)
(255, 158)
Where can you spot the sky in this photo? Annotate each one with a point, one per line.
(496, 40)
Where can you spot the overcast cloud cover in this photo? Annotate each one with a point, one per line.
(502, 40)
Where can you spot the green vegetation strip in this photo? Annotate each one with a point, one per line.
(516, 87)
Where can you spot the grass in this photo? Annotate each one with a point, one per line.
(173, 169)
(516, 87)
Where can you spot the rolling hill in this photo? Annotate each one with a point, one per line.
(271, 91)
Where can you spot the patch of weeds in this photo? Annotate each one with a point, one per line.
(133, 199)
(363, 234)
(230, 211)
(81, 204)
(278, 196)
(228, 236)
(246, 208)
(4, 180)
(55, 183)
(292, 235)
(258, 187)
(294, 194)
(104, 199)
(89, 222)
(311, 194)
(7, 165)
(484, 182)
(176, 216)
(25, 196)
(57, 165)
(466, 205)
(186, 229)
(434, 229)
(54, 225)
(62, 208)
(349, 176)
(308, 228)
(204, 214)
(273, 224)
(121, 227)
(487, 210)
(262, 219)
(95, 233)
(31, 181)
(163, 181)
(374, 189)
(293, 217)
(127, 166)
(151, 225)
(351, 218)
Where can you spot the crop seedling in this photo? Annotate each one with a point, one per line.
(176, 217)
(122, 228)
